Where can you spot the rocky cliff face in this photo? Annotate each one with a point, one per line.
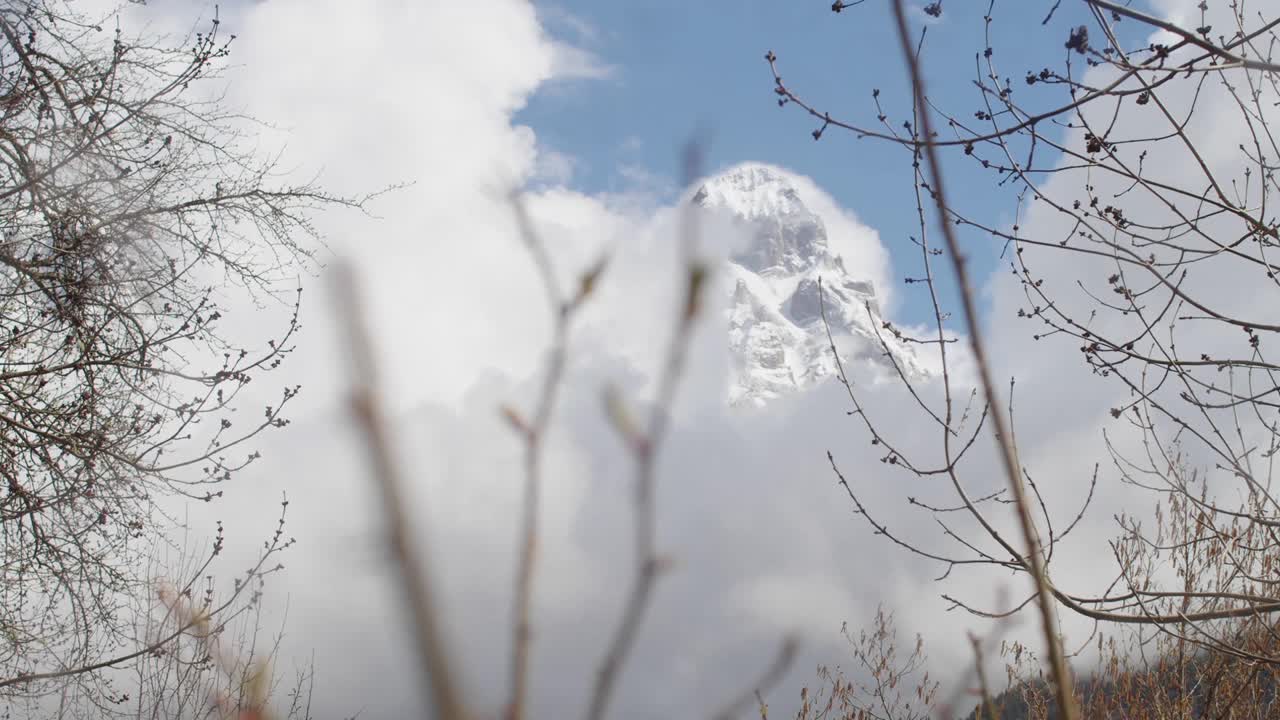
(778, 341)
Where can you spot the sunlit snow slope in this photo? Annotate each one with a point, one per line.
(778, 341)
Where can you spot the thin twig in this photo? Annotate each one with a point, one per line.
(1186, 35)
(983, 686)
(753, 696)
(533, 433)
(1033, 559)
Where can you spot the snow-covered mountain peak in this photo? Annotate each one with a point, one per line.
(787, 236)
(776, 335)
(751, 191)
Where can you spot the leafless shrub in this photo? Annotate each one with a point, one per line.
(881, 682)
(131, 212)
(191, 649)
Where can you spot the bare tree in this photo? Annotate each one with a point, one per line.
(131, 211)
(882, 683)
(1142, 175)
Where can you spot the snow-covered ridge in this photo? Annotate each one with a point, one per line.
(776, 336)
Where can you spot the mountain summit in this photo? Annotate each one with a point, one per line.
(776, 335)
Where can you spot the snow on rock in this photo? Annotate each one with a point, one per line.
(778, 342)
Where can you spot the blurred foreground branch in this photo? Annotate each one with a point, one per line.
(416, 580)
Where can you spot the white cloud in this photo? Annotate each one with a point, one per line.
(555, 16)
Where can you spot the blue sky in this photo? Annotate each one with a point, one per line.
(679, 67)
